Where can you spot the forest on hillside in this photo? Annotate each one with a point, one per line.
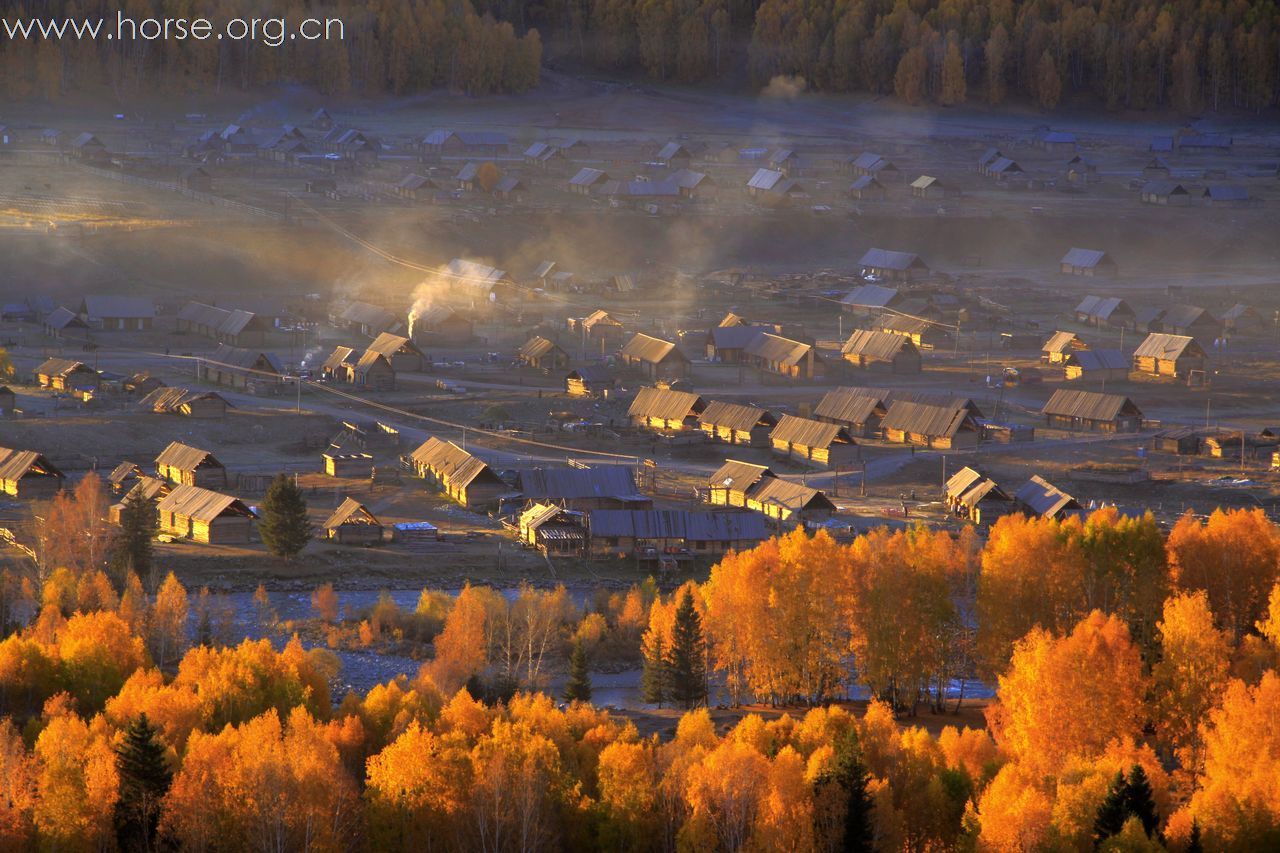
(1185, 55)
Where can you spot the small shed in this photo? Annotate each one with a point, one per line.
(893, 265)
(1168, 193)
(1042, 499)
(353, 524)
(927, 186)
(358, 465)
(1181, 441)
(1060, 346)
(866, 188)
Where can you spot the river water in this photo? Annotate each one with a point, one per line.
(362, 670)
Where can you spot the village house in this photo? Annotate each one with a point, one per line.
(1082, 169)
(654, 358)
(337, 367)
(856, 409)
(1168, 193)
(788, 502)
(665, 410)
(673, 155)
(866, 188)
(944, 427)
(141, 488)
(201, 405)
(201, 515)
(883, 351)
(413, 187)
(784, 160)
(1042, 499)
(132, 313)
(975, 497)
(586, 180)
(402, 353)
(1242, 319)
(1056, 140)
(353, 524)
(123, 477)
(738, 424)
(728, 344)
(771, 186)
(1087, 262)
(816, 443)
(1097, 365)
(28, 474)
(925, 333)
(65, 374)
(86, 146)
(733, 481)
(64, 324)
(374, 371)
(677, 534)
(594, 487)
(1180, 441)
(872, 165)
(1060, 346)
(368, 320)
(543, 354)
(240, 368)
(891, 265)
(691, 184)
(1227, 195)
(440, 325)
(1005, 170)
(509, 188)
(1163, 354)
(1190, 320)
(553, 530)
(784, 357)
(184, 465)
(599, 331)
(463, 477)
(594, 380)
(870, 300)
(229, 326)
(1089, 411)
(1106, 311)
(488, 143)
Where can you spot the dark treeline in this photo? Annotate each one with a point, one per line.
(1187, 55)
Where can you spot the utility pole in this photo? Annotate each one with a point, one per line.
(297, 406)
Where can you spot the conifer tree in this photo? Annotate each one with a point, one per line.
(131, 548)
(579, 686)
(655, 679)
(1113, 812)
(284, 526)
(1139, 801)
(145, 778)
(687, 660)
(851, 774)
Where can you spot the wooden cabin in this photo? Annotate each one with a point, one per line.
(590, 381)
(465, 478)
(543, 354)
(353, 524)
(945, 427)
(553, 530)
(593, 487)
(655, 358)
(1099, 365)
(649, 533)
(65, 374)
(200, 405)
(28, 474)
(348, 464)
(1060, 346)
(858, 410)
(665, 410)
(1042, 499)
(816, 443)
(733, 423)
(977, 498)
(784, 357)
(201, 515)
(1163, 354)
(734, 481)
(886, 351)
(184, 465)
(1090, 411)
(400, 352)
(373, 371)
(1087, 262)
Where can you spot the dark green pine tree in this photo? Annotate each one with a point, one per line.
(1194, 844)
(131, 547)
(1139, 802)
(579, 687)
(1113, 812)
(284, 527)
(654, 678)
(859, 831)
(687, 659)
(144, 780)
